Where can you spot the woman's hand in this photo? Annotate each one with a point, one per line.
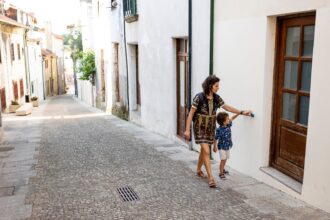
(247, 112)
(187, 134)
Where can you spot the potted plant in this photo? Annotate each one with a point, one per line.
(35, 101)
(14, 105)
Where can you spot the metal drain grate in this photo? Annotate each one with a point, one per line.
(127, 194)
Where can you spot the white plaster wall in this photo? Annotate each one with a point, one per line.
(102, 30)
(244, 60)
(85, 93)
(316, 187)
(86, 25)
(35, 66)
(154, 32)
(14, 70)
(200, 44)
(240, 66)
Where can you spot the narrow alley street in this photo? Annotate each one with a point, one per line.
(66, 161)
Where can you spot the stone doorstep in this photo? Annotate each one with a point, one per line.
(282, 178)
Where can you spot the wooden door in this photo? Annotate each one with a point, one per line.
(116, 71)
(102, 76)
(138, 90)
(3, 99)
(292, 92)
(182, 75)
(15, 88)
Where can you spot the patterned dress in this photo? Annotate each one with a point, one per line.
(205, 117)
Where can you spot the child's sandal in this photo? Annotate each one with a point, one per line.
(222, 176)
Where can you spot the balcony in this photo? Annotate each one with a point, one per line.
(130, 11)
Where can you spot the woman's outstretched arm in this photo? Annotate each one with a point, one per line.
(235, 110)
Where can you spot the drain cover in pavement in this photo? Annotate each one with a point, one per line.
(7, 191)
(2, 149)
(127, 194)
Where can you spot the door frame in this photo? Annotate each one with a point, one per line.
(275, 101)
(178, 56)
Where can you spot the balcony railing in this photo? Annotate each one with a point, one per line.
(130, 10)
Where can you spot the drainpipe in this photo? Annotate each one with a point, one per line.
(43, 78)
(27, 67)
(125, 45)
(211, 48)
(211, 36)
(189, 58)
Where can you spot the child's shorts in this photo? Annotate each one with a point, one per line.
(224, 154)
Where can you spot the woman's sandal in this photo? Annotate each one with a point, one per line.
(225, 171)
(222, 176)
(212, 184)
(201, 174)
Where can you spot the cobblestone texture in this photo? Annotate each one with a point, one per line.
(84, 158)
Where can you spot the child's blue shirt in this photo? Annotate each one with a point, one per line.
(223, 135)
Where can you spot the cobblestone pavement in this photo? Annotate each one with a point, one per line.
(84, 156)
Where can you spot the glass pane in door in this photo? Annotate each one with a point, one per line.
(289, 106)
(308, 40)
(306, 76)
(182, 66)
(290, 74)
(292, 41)
(303, 110)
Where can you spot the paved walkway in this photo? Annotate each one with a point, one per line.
(67, 161)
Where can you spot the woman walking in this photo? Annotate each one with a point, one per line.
(203, 114)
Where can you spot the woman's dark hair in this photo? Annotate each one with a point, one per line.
(208, 83)
(221, 117)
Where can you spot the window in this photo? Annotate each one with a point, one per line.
(12, 52)
(130, 9)
(18, 51)
(98, 8)
(32, 87)
(46, 63)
